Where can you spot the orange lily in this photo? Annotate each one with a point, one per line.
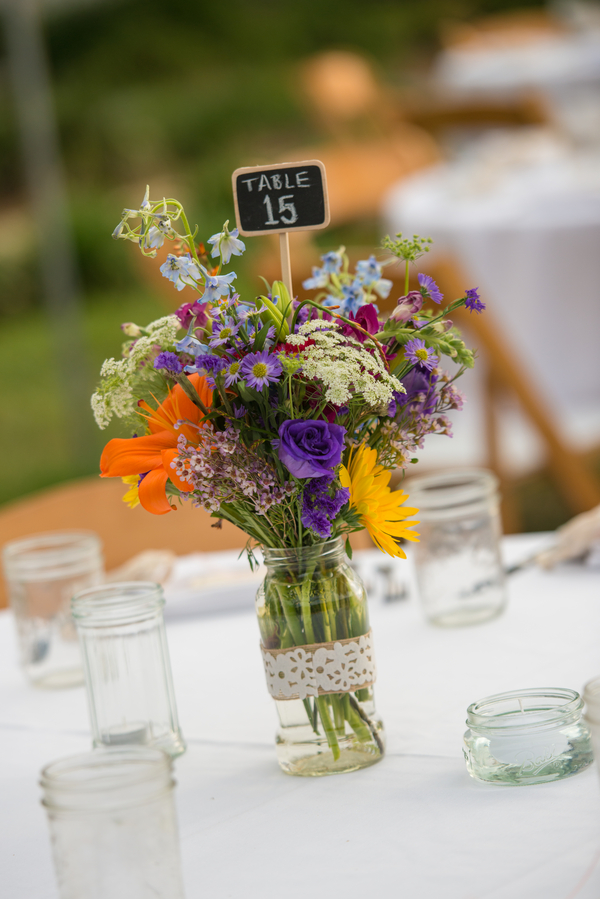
(152, 455)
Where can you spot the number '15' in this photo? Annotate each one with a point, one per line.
(283, 208)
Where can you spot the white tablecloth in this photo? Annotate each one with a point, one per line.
(413, 825)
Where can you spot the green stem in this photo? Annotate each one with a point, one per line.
(406, 279)
(321, 702)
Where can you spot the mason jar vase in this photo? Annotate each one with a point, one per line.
(318, 654)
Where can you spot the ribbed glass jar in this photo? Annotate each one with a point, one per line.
(127, 668)
(42, 573)
(113, 825)
(591, 698)
(457, 559)
(527, 737)
(312, 598)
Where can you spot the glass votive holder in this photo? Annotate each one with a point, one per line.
(458, 565)
(42, 573)
(126, 664)
(113, 825)
(527, 737)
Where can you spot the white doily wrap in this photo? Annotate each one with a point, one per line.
(339, 667)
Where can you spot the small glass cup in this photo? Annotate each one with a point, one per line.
(113, 825)
(527, 737)
(42, 573)
(458, 563)
(591, 697)
(127, 668)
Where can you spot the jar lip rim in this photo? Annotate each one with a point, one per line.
(57, 775)
(126, 596)
(47, 545)
(325, 546)
(459, 485)
(512, 720)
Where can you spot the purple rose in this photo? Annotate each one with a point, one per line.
(407, 306)
(310, 449)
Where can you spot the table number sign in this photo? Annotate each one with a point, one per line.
(291, 196)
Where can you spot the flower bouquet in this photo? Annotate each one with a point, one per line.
(286, 416)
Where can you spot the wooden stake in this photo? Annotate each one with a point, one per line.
(286, 267)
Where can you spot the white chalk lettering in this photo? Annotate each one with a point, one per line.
(301, 178)
(287, 183)
(289, 208)
(276, 179)
(269, 205)
(264, 182)
(249, 181)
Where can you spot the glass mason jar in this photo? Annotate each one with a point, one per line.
(113, 825)
(127, 668)
(527, 737)
(42, 573)
(457, 559)
(323, 691)
(591, 697)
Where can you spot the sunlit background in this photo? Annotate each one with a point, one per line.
(475, 121)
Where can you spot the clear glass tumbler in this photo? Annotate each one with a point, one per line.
(42, 573)
(113, 825)
(127, 667)
(458, 562)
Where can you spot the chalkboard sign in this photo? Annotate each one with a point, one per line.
(291, 196)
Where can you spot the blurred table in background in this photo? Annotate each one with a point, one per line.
(416, 824)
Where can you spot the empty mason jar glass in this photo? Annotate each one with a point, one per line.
(127, 668)
(458, 564)
(42, 573)
(113, 825)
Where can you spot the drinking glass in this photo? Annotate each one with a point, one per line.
(42, 573)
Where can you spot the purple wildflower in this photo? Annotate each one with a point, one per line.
(419, 385)
(319, 508)
(238, 411)
(232, 373)
(430, 289)
(316, 521)
(260, 369)
(416, 352)
(472, 301)
(223, 331)
(407, 306)
(168, 361)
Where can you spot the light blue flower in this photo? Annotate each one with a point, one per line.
(353, 297)
(181, 270)
(191, 345)
(153, 238)
(319, 279)
(216, 286)
(382, 287)
(332, 262)
(226, 243)
(368, 270)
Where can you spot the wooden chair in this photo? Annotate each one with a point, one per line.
(95, 504)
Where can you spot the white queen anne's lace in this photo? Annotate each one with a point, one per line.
(339, 667)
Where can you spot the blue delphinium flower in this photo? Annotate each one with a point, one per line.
(191, 345)
(181, 270)
(216, 286)
(260, 369)
(227, 243)
(332, 262)
(416, 352)
(319, 279)
(429, 288)
(353, 297)
(169, 361)
(472, 302)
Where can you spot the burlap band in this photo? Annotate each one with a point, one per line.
(341, 666)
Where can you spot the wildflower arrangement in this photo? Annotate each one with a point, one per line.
(285, 416)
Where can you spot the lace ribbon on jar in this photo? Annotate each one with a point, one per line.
(341, 666)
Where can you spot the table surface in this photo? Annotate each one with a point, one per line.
(414, 825)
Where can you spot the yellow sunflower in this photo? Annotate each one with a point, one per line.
(377, 505)
(132, 496)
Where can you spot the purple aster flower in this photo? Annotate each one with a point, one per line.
(416, 352)
(223, 331)
(168, 361)
(260, 369)
(472, 301)
(238, 411)
(430, 289)
(232, 373)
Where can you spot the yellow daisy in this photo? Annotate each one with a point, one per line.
(132, 496)
(377, 505)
